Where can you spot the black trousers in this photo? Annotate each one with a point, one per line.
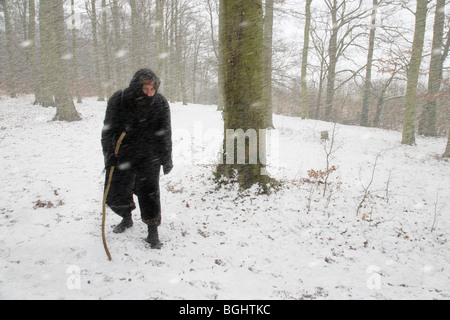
(141, 180)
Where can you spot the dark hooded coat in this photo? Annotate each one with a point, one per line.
(146, 147)
(146, 121)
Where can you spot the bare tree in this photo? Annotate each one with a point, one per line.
(32, 51)
(117, 45)
(98, 79)
(135, 32)
(213, 9)
(268, 52)
(447, 149)
(179, 50)
(368, 79)
(427, 124)
(75, 55)
(65, 108)
(345, 22)
(9, 42)
(303, 81)
(53, 46)
(408, 136)
(106, 61)
(318, 42)
(159, 43)
(244, 83)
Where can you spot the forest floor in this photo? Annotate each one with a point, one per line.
(220, 243)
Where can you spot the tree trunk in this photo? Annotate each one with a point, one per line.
(75, 57)
(221, 70)
(447, 150)
(408, 136)
(332, 56)
(32, 51)
(268, 38)
(194, 72)
(427, 124)
(380, 103)
(135, 26)
(159, 35)
(303, 80)
(180, 62)
(98, 78)
(48, 54)
(368, 81)
(120, 80)
(244, 93)
(65, 108)
(318, 110)
(171, 81)
(106, 61)
(11, 82)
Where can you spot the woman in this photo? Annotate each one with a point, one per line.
(144, 115)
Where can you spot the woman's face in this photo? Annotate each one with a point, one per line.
(149, 89)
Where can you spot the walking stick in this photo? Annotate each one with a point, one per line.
(105, 195)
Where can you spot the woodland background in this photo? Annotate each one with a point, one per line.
(340, 61)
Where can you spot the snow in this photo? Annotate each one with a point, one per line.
(221, 243)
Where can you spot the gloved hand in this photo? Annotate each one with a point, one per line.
(167, 167)
(113, 161)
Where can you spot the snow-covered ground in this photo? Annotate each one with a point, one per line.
(221, 243)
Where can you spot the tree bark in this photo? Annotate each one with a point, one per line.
(65, 108)
(47, 36)
(98, 78)
(221, 70)
(180, 62)
(447, 150)
(171, 79)
(11, 82)
(135, 29)
(332, 56)
(408, 136)
(106, 61)
(244, 91)
(32, 51)
(120, 80)
(368, 81)
(303, 80)
(159, 35)
(75, 56)
(427, 124)
(380, 103)
(268, 38)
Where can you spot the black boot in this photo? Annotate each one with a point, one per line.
(153, 238)
(126, 223)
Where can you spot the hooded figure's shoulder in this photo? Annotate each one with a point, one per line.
(161, 100)
(115, 99)
(116, 94)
